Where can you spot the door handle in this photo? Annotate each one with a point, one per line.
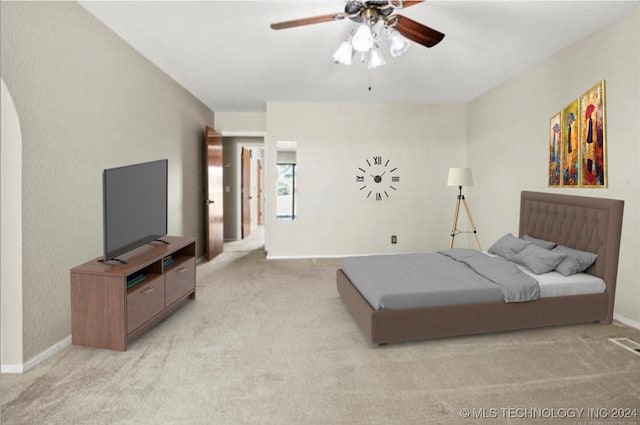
(211, 201)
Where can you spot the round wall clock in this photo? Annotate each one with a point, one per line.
(378, 179)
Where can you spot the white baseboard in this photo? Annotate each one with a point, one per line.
(300, 257)
(227, 133)
(626, 321)
(329, 256)
(6, 369)
(38, 358)
(48, 353)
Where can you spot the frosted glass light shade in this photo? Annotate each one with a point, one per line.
(344, 54)
(460, 177)
(362, 40)
(376, 59)
(397, 44)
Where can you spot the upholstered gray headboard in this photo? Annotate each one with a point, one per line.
(580, 222)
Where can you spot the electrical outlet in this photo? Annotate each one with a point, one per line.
(394, 239)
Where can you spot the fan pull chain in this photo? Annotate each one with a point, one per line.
(369, 80)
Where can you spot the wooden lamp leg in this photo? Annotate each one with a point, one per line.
(454, 228)
(473, 226)
(455, 223)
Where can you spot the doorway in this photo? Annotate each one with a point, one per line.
(244, 196)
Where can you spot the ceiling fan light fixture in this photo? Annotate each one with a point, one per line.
(376, 59)
(344, 54)
(362, 40)
(398, 45)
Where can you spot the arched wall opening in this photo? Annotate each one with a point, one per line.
(11, 354)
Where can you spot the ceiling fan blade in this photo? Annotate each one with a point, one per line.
(398, 4)
(308, 21)
(417, 32)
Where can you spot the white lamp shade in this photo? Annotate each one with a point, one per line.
(397, 44)
(460, 177)
(362, 40)
(375, 58)
(344, 54)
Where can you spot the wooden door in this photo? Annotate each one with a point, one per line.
(260, 219)
(246, 192)
(214, 224)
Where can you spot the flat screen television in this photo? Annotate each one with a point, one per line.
(134, 206)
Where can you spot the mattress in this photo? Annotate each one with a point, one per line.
(417, 280)
(554, 284)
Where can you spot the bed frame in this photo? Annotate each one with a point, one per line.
(588, 224)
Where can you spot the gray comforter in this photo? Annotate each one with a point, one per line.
(458, 276)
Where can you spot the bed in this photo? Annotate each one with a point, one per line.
(584, 223)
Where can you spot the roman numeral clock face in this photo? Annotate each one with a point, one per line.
(377, 178)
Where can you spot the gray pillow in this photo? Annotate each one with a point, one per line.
(576, 261)
(508, 246)
(540, 242)
(538, 260)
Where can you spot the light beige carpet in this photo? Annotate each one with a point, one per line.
(270, 342)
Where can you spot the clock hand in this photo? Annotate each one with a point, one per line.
(383, 174)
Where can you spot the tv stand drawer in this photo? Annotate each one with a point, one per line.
(180, 280)
(145, 302)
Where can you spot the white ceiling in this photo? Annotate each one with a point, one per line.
(226, 55)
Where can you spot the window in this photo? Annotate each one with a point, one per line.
(286, 191)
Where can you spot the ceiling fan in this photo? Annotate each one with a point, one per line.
(370, 14)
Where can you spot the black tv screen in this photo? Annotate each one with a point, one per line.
(134, 206)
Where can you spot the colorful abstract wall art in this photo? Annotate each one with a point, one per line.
(570, 145)
(593, 167)
(555, 150)
(578, 142)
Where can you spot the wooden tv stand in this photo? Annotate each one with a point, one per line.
(105, 314)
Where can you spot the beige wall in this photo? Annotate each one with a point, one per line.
(333, 217)
(87, 101)
(508, 138)
(241, 122)
(11, 233)
(286, 157)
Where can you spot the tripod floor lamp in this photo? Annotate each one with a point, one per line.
(461, 177)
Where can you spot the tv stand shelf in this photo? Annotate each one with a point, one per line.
(107, 314)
